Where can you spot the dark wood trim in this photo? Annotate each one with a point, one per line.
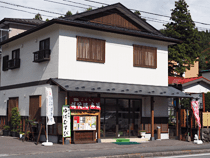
(152, 117)
(204, 106)
(22, 85)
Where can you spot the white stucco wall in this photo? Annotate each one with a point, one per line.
(118, 66)
(24, 94)
(30, 71)
(197, 88)
(160, 107)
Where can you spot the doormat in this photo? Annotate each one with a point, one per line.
(126, 143)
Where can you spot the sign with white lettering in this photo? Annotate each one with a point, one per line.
(79, 103)
(66, 119)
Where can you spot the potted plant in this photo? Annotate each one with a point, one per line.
(6, 130)
(21, 135)
(13, 132)
(120, 133)
(15, 121)
(142, 133)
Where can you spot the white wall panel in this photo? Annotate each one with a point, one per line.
(118, 66)
(24, 94)
(30, 71)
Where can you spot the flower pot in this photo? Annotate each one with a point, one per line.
(143, 134)
(12, 134)
(5, 132)
(16, 134)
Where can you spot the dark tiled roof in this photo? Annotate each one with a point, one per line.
(117, 88)
(120, 29)
(23, 21)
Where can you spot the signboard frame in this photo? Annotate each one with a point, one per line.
(69, 116)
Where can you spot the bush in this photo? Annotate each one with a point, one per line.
(6, 127)
(15, 118)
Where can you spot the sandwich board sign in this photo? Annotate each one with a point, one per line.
(66, 121)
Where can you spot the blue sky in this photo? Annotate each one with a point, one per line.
(199, 9)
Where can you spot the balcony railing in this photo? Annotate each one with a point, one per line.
(42, 55)
(13, 63)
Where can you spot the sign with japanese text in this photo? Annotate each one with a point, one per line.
(84, 123)
(66, 121)
(49, 106)
(80, 103)
(194, 106)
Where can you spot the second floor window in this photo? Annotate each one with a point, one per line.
(90, 49)
(144, 56)
(16, 54)
(44, 44)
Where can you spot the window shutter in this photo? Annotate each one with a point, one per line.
(144, 56)
(5, 63)
(90, 49)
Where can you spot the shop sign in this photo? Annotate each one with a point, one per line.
(66, 119)
(194, 106)
(80, 103)
(84, 123)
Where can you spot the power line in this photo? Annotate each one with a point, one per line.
(80, 3)
(145, 12)
(65, 4)
(24, 11)
(30, 8)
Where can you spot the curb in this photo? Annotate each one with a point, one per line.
(168, 153)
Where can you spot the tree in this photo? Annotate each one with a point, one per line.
(47, 19)
(182, 56)
(68, 13)
(38, 17)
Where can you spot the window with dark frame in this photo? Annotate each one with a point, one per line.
(90, 49)
(144, 56)
(5, 63)
(44, 51)
(44, 44)
(16, 54)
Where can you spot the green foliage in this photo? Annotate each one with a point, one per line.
(185, 103)
(15, 118)
(47, 19)
(182, 27)
(90, 8)
(6, 127)
(38, 17)
(207, 101)
(204, 59)
(137, 13)
(68, 13)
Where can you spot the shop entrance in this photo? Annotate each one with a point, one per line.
(120, 116)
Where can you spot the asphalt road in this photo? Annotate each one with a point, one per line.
(203, 155)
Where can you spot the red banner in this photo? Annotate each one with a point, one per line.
(80, 103)
(194, 106)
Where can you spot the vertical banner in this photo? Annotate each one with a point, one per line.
(194, 106)
(66, 119)
(49, 106)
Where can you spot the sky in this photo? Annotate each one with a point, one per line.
(199, 9)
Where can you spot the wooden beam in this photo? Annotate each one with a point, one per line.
(203, 102)
(152, 119)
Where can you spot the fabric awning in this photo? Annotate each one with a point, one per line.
(118, 88)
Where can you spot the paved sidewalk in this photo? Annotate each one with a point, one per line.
(10, 146)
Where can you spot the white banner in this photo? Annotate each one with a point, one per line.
(49, 106)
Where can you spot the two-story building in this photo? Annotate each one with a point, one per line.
(108, 54)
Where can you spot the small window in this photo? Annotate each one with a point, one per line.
(144, 56)
(44, 44)
(5, 63)
(16, 54)
(89, 49)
